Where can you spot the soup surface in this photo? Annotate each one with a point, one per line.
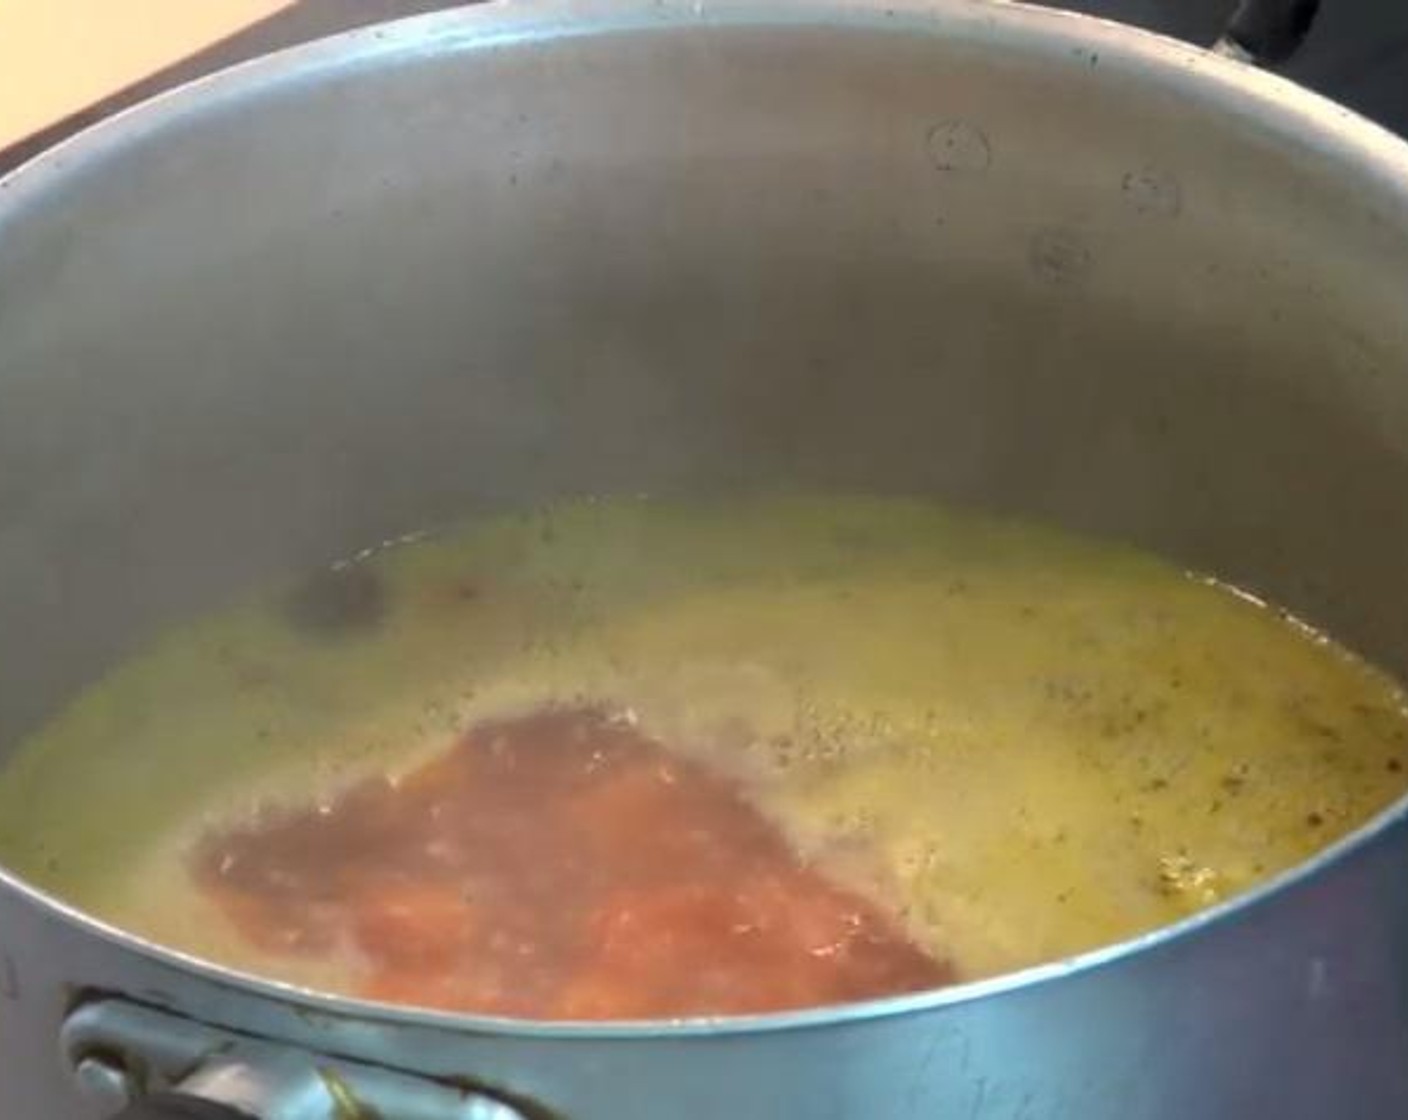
(633, 759)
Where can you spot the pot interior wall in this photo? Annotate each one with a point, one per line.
(417, 278)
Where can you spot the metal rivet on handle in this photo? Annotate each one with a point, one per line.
(104, 1082)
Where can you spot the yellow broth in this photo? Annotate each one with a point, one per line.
(1024, 743)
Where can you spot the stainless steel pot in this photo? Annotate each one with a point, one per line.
(998, 254)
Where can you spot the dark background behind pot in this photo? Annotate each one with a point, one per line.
(1357, 53)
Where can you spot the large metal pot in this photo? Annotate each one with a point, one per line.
(997, 254)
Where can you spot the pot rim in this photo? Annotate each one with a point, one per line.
(1288, 111)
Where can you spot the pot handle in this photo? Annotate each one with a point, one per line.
(179, 1106)
(1267, 32)
(137, 1062)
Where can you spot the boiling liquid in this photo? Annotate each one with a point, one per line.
(1013, 744)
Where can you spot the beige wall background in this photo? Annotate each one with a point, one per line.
(58, 56)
